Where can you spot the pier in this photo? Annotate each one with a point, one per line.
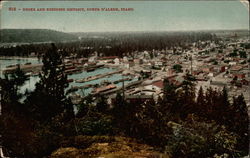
(91, 78)
(25, 68)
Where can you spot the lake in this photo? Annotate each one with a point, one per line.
(30, 84)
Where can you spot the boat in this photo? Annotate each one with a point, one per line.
(103, 89)
(90, 69)
(105, 82)
(70, 80)
(121, 80)
(80, 80)
(27, 63)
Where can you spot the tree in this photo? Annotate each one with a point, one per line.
(49, 99)
(85, 106)
(9, 89)
(240, 122)
(233, 54)
(187, 97)
(13, 119)
(243, 54)
(200, 103)
(177, 68)
(101, 104)
(169, 102)
(221, 107)
(200, 139)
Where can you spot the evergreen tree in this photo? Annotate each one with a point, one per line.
(169, 102)
(200, 102)
(187, 97)
(240, 122)
(101, 104)
(85, 106)
(210, 97)
(49, 99)
(10, 86)
(13, 121)
(223, 107)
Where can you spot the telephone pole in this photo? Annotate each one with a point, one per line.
(123, 91)
(191, 71)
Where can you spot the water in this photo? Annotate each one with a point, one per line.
(13, 61)
(30, 84)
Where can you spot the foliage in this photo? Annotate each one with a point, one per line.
(33, 35)
(85, 106)
(120, 43)
(49, 99)
(199, 139)
(95, 125)
(243, 54)
(180, 123)
(233, 54)
(177, 68)
(10, 86)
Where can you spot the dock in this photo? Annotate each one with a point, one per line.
(25, 68)
(91, 78)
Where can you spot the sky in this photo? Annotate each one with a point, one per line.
(146, 16)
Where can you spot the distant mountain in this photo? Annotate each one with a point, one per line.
(34, 35)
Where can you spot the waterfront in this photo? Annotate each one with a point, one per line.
(30, 84)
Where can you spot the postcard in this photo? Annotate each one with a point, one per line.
(163, 79)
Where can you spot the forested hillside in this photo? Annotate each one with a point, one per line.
(34, 35)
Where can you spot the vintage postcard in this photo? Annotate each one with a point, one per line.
(105, 79)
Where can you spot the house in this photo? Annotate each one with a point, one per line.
(218, 83)
(170, 72)
(138, 99)
(108, 58)
(235, 68)
(138, 61)
(116, 61)
(157, 86)
(245, 82)
(232, 63)
(159, 63)
(134, 99)
(129, 65)
(239, 75)
(223, 68)
(104, 89)
(207, 69)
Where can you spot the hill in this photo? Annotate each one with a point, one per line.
(34, 35)
(107, 147)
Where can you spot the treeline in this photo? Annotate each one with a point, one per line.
(179, 124)
(34, 35)
(184, 125)
(116, 44)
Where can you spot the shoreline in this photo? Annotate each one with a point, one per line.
(16, 57)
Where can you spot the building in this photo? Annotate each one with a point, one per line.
(134, 99)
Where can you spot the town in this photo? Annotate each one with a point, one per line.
(216, 65)
(145, 86)
(125, 79)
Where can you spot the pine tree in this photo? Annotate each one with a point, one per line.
(223, 107)
(53, 78)
(169, 101)
(240, 122)
(85, 106)
(211, 97)
(49, 99)
(187, 97)
(200, 103)
(101, 104)
(10, 85)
